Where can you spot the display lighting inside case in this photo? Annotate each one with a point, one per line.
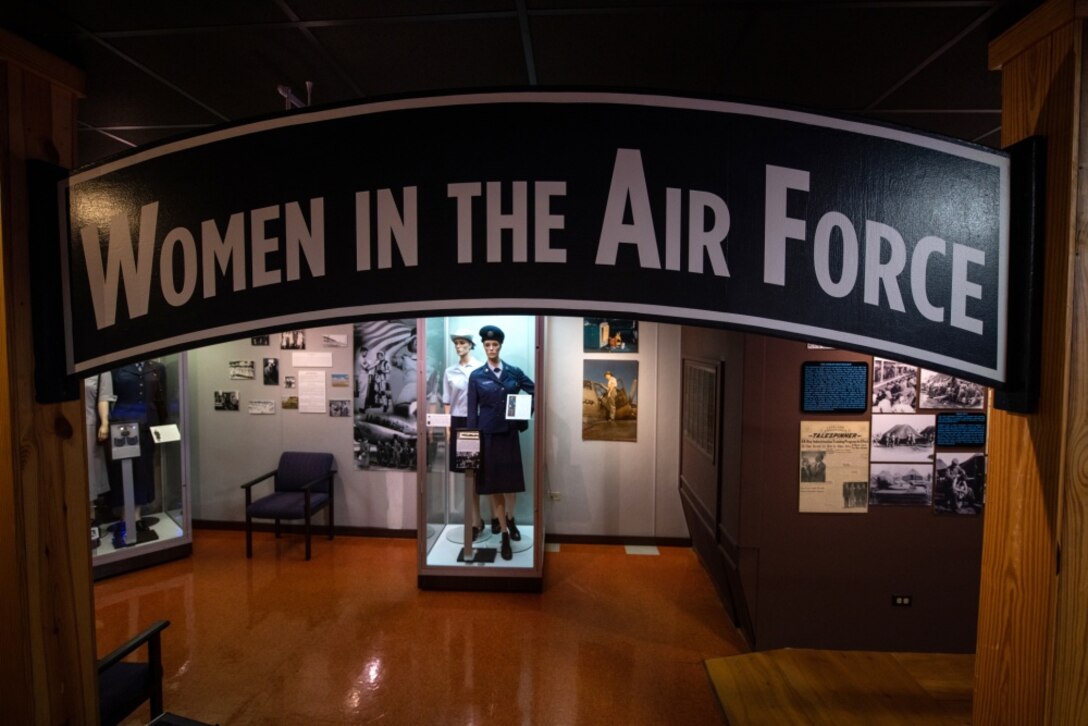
(447, 517)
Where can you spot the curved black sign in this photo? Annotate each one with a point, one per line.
(654, 207)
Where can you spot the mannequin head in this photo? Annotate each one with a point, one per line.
(492, 337)
(462, 342)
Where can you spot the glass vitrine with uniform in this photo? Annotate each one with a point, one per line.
(137, 464)
(479, 493)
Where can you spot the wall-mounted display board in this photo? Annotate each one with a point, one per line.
(962, 428)
(713, 212)
(833, 386)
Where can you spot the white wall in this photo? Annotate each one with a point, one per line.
(231, 447)
(614, 488)
(606, 488)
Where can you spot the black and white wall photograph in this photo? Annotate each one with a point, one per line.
(895, 386)
(903, 437)
(271, 371)
(941, 390)
(242, 370)
(293, 340)
(261, 407)
(226, 400)
(901, 484)
(960, 486)
(385, 403)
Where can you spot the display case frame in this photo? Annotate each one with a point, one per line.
(438, 489)
(173, 494)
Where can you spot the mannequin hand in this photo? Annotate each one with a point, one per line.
(103, 432)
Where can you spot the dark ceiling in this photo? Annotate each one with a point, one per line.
(156, 69)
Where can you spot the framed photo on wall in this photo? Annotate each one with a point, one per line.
(609, 335)
(610, 400)
(944, 391)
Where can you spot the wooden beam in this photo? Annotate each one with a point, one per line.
(1030, 658)
(31, 59)
(47, 675)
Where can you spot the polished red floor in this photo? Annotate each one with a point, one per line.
(347, 638)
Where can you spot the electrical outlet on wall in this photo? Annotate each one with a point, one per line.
(901, 601)
(555, 496)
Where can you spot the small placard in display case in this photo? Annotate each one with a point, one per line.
(468, 449)
(438, 420)
(519, 406)
(165, 433)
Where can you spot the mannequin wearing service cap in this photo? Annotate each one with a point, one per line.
(455, 399)
(501, 476)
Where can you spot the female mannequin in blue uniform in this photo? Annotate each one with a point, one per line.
(140, 391)
(501, 476)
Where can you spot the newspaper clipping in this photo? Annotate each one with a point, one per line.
(834, 467)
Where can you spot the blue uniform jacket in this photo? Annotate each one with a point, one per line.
(487, 397)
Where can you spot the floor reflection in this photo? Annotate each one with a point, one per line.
(348, 638)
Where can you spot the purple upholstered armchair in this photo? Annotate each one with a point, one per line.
(302, 485)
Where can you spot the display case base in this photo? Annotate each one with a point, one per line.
(140, 561)
(480, 584)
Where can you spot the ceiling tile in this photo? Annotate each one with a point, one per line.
(397, 57)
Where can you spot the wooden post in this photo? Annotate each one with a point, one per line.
(1030, 665)
(47, 671)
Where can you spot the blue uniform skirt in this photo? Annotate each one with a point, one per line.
(501, 472)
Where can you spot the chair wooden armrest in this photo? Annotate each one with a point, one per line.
(149, 635)
(123, 686)
(259, 479)
(318, 480)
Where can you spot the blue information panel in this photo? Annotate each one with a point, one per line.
(961, 429)
(835, 387)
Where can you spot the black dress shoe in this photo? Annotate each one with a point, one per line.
(475, 533)
(513, 528)
(495, 529)
(506, 552)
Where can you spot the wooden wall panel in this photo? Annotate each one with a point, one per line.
(1030, 659)
(45, 563)
(1069, 681)
(15, 667)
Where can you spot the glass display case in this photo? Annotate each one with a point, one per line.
(465, 472)
(137, 465)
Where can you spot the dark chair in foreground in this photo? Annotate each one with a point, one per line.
(302, 486)
(123, 686)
